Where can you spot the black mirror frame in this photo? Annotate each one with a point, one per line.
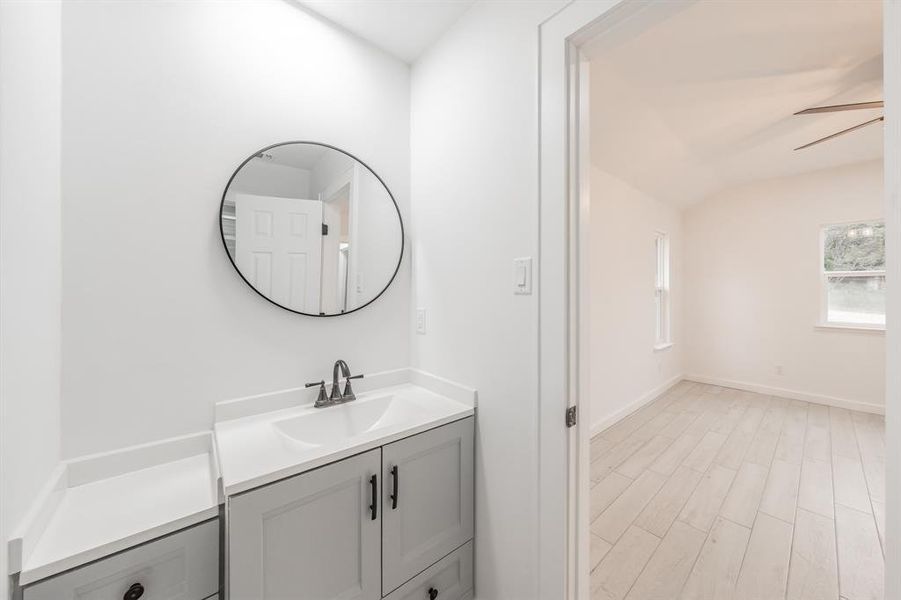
(400, 220)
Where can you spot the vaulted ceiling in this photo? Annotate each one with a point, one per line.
(702, 98)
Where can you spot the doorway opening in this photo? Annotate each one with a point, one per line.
(727, 296)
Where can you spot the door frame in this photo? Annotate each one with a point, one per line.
(891, 48)
(564, 213)
(350, 180)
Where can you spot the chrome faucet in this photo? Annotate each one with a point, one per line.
(336, 396)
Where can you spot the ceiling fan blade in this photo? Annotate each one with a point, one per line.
(842, 132)
(841, 107)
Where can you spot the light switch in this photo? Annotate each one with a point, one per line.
(420, 321)
(522, 275)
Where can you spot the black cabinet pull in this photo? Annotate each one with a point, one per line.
(433, 593)
(394, 478)
(374, 485)
(134, 592)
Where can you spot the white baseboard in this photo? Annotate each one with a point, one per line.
(866, 407)
(630, 408)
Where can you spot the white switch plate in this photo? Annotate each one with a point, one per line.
(420, 321)
(522, 275)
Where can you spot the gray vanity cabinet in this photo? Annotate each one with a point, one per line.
(428, 498)
(395, 520)
(315, 536)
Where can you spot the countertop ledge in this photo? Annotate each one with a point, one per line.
(101, 504)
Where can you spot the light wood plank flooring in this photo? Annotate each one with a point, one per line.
(711, 493)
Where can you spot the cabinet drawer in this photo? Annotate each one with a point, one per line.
(450, 577)
(181, 566)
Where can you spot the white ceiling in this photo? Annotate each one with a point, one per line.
(702, 99)
(403, 28)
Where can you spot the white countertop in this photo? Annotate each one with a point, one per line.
(103, 505)
(254, 450)
(98, 505)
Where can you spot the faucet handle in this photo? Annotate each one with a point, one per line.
(348, 391)
(322, 399)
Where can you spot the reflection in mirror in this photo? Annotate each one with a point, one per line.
(311, 228)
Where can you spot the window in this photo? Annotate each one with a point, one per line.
(853, 279)
(663, 337)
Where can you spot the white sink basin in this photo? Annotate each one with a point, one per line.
(335, 424)
(274, 436)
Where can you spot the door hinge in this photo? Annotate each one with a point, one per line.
(324, 229)
(571, 416)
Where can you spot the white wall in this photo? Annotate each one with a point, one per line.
(29, 257)
(475, 205)
(377, 239)
(161, 102)
(752, 287)
(626, 371)
(328, 170)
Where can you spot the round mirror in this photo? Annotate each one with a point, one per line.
(311, 228)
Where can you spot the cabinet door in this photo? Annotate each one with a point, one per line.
(432, 512)
(314, 536)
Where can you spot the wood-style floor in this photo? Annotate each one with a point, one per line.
(722, 494)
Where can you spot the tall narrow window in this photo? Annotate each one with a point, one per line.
(853, 277)
(663, 338)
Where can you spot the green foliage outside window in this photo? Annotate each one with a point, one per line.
(855, 247)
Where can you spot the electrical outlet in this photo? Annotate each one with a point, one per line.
(778, 369)
(420, 321)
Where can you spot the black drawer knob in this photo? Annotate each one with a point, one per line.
(134, 592)
(433, 593)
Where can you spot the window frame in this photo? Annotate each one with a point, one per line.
(824, 276)
(663, 330)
